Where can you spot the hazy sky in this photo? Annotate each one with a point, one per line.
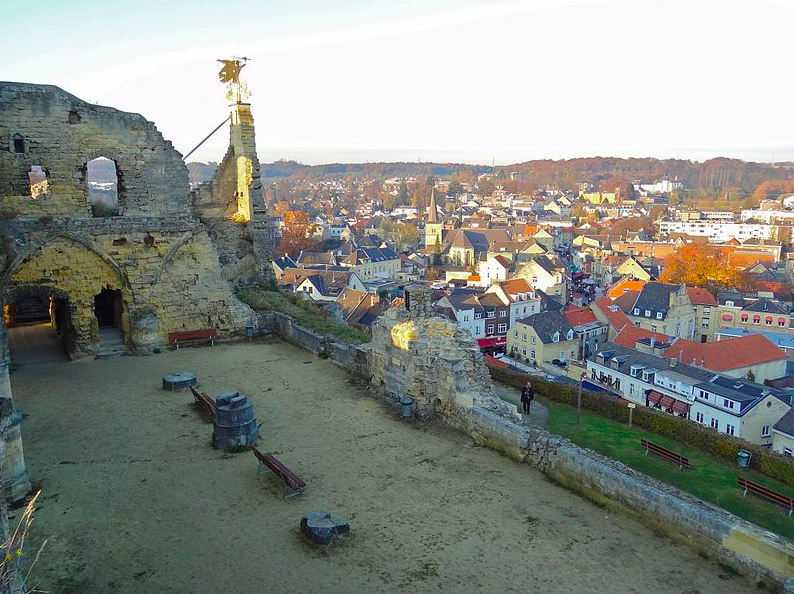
(462, 80)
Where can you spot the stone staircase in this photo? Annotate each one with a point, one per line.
(111, 344)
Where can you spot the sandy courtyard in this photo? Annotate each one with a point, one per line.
(135, 500)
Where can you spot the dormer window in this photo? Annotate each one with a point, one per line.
(556, 337)
(729, 303)
(570, 335)
(647, 313)
(636, 311)
(658, 315)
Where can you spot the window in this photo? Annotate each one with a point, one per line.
(715, 424)
(729, 429)
(533, 355)
(647, 313)
(492, 314)
(768, 320)
(503, 313)
(631, 389)
(515, 335)
(744, 317)
(658, 315)
(465, 318)
(729, 303)
(19, 144)
(39, 185)
(727, 403)
(533, 340)
(103, 182)
(756, 319)
(490, 328)
(636, 311)
(705, 323)
(524, 351)
(556, 337)
(781, 321)
(478, 315)
(524, 337)
(502, 327)
(765, 431)
(787, 451)
(699, 417)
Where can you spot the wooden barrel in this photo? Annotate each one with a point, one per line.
(235, 424)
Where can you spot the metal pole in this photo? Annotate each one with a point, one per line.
(206, 137)
(579, 402)
(631, 410)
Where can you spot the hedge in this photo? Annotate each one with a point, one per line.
(680, 429)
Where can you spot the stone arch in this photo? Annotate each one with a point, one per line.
(34, 247)
(73, 267)
(169, 255)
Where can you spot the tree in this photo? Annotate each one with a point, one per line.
(621, 226)
(403, 197)
(703, 266)
(455, 189)
(432, 274)
(297, 234)
(407, 235)
(485, 187)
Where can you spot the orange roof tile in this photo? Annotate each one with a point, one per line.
(722, 355)
(623, 286)
(579, 315)
(700, 296)
(503, 261)
(617, 319)
(631, 334)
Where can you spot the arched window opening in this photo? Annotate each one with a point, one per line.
(103, 187)
(39, 185)
(19, 144)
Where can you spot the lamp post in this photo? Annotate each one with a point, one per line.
(579, 401)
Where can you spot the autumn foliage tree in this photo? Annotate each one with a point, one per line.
(703, 266)
(297, 234)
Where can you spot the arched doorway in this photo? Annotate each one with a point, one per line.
(109, 309)
(39, 325)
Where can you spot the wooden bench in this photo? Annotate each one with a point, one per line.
(204, 402)
(766, 493)
(682, 461)
(293, 484)
(189, 337)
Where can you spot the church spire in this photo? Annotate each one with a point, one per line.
(432, 211)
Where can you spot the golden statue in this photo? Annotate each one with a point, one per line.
(230, 75)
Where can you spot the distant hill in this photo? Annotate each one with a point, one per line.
(710, 178)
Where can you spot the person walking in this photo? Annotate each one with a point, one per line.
(527, 396)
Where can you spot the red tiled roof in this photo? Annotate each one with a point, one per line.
(630, 334)
(617, 319)
(624, 286)
(722, 355)
(492, 361)
(503, 261)
(579, 315)
(700, 296)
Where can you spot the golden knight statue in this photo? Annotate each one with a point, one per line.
(230, 76)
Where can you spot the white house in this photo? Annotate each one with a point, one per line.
(494, 270)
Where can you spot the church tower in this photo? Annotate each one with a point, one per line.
(433, 223)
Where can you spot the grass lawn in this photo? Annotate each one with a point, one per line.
(304, 313)
(711, 479)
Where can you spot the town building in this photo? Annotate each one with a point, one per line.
(543, 339)
(660, 307)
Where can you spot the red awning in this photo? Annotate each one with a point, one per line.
(727, 317)
(680, 407)
(667, 401)
(654, 397)
(495, 341)
(769, 319)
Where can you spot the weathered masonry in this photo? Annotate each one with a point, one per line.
(147, 264)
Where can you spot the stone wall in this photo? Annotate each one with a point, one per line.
(402, 360)
(157, 255)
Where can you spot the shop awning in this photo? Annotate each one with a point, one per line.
(654, 397)
(727, 317)
(489, 343)
(667, 401)
(680, 407)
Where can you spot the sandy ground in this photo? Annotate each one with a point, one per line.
(136, 500)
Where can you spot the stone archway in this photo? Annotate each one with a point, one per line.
(74, 269)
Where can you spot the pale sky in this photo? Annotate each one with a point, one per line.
(441, 80)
